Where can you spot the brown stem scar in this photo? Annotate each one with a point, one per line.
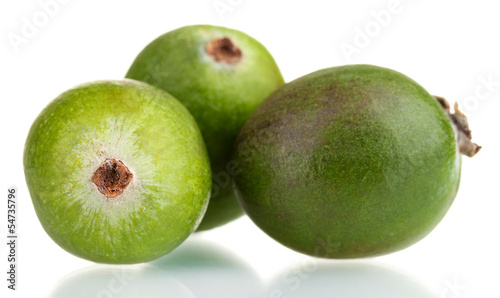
(223, 50)
(464, 138)
(112, 177)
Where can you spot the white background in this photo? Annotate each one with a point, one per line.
(450, 47)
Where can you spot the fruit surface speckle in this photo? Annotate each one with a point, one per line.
(347, 162)
(117, 171)
(220, 75)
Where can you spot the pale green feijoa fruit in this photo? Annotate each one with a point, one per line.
(350, 161)
(220, 75)
(117, 171)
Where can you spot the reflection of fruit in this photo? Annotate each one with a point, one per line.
(121, 282)
(346, 279)
(118, 171)
(348, 162)
(220, 75)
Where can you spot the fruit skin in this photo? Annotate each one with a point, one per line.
(348, 162)
(153, 135)
(220, 95)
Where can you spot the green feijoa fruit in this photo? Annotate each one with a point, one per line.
(350, 161)
(220, 75)
(117, 171)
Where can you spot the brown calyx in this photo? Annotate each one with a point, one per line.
(223, 50)
(464, 138)
(112, 177)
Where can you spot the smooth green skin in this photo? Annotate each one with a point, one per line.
(220, 96)
(154, 135)
(348, 162)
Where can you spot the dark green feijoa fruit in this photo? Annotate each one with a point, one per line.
(350, 162)
(117, 171)
(220, 75)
